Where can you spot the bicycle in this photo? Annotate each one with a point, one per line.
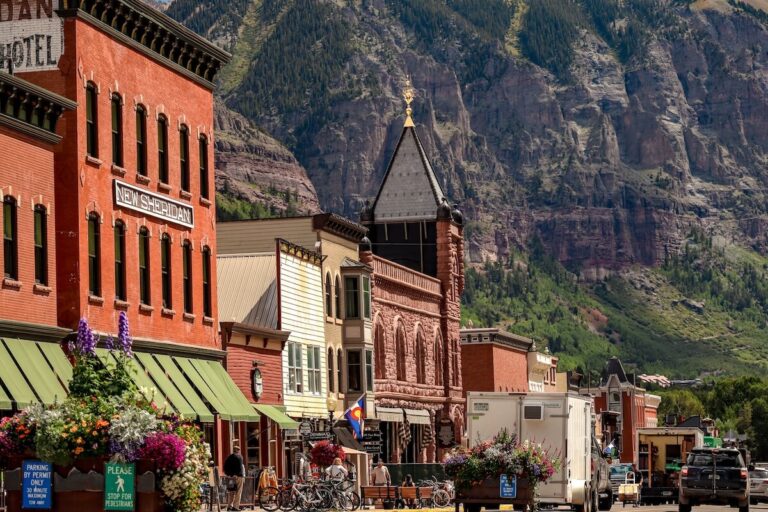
(344, 498)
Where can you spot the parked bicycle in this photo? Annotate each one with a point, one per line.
(442, 495)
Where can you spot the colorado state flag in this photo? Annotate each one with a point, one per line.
(355, 416)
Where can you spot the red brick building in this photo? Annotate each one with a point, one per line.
(494, 360)
(133, 182)
(623, 408)
(416, 251)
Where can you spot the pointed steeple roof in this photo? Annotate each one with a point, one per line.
(410, 190)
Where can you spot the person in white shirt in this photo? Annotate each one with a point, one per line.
(380, 475)
(336, 471)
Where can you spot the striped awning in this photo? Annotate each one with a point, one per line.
(32, 372)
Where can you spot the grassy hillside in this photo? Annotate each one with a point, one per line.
(703, 313)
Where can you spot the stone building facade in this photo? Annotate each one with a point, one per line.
(415, 249)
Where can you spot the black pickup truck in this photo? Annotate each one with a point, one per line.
(714, 476)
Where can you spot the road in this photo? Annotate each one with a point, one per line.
(763, 507)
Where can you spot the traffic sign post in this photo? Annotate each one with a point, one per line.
(508, 487)
(36, 488)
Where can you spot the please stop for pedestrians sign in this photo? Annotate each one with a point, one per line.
(119, 486)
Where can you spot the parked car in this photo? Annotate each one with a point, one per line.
(758, 486)
(714, 476)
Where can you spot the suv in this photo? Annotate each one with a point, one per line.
(714, 475)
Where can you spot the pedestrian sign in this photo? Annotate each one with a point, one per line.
(36, 484)
(119, 486)
(508, 487)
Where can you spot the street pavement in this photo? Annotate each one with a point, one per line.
(763, 507)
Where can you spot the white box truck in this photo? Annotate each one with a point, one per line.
(562, 424)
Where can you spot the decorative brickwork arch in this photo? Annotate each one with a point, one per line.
(438, 356)
(420, 355)
(401, 352)
(379, 348)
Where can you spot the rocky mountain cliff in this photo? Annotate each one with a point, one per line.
(616, 134)
(607, 128)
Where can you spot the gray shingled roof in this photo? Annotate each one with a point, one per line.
(247, 286)
(410, 190)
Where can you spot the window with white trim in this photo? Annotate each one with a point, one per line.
(295, 376)
(314, 375)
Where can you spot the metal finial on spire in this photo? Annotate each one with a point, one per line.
(408, 97)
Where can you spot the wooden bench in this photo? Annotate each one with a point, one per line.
(425, 496)
(378, 492)
(408, 497)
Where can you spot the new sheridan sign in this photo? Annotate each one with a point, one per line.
(144, 201)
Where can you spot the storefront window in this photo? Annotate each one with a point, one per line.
(352, 297)
(353, 371)
(295, 376)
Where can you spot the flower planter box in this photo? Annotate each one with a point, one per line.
(488, 493)
(80, 487)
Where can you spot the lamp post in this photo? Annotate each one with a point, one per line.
(331, 405)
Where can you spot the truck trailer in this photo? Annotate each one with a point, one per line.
(661, 454)
(562, 424)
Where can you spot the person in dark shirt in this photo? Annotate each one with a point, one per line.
(234, 468)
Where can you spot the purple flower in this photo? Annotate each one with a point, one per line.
(86, 343)
(123, 335)
(167, 450)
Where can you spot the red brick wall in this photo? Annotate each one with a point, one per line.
(82, 187)
(239, 365)
(26, 173)
(487, 367)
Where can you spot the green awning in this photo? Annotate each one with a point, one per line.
(211, 394)
(43, 381)
(234, 402)
(58, 361)
(169, 390)
(272, 412)
(192, 397)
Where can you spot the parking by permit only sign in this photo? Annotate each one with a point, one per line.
(36, 479)
(31, 35)
(119, 486)
(508, 487)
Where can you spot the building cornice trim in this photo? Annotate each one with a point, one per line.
(33, 332)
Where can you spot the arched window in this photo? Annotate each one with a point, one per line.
(41, 245)
(328, 301)
(186, 253)
(203, 153)
(165, 270)
(10, 238)
(184, 157)
(331, 387)
(117, 130)
(438, 361)
(162, 149)
(455, 373)
(337, 297)
(141, 140)
(401, 352)
(380, 351)
(420, 354)
(207, 306)
(119, 234)
(144, 285)
(339, 369)
(94, 255)
(91, 120)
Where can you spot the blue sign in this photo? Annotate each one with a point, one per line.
(36, 484)
(508, 487)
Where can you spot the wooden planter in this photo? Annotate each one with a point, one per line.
(487, 493)
(80, 487)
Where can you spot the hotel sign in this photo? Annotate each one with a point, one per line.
(31, 35)
(144, 201)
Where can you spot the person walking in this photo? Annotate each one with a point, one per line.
(336, 471)
(380, 475)
(234, 468)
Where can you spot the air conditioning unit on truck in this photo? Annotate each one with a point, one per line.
(562, 424)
